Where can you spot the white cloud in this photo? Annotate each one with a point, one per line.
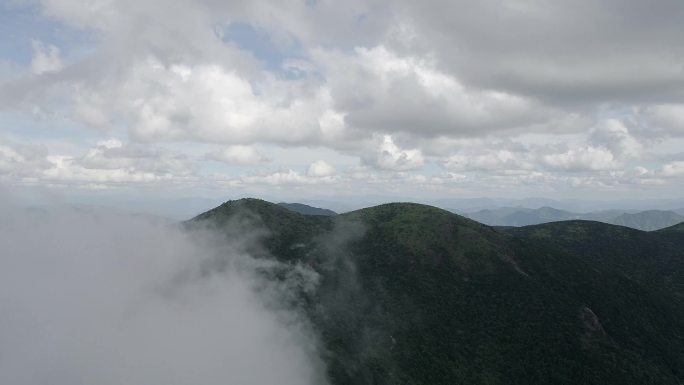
(383, 91)
(45, 58)
(213, 103)
(319, 169)
(286, 177)
(22, 161)
(108, 163)
(101, 298)
(587, 158)
(673, 169)
(586, 52)
(614, 135)
(388, 156)
(242, 155)
(90, 14)
(112, 154)
(667, 117)
(399, 85)
(494, 160)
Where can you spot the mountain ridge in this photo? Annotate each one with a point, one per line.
(306, 209)
(414, 294)
(520, 216)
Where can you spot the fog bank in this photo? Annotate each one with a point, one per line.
(103, 298)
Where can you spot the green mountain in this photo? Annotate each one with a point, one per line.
(306, 209)
(678, 228)
(412, 294)
(540, 215)
(649, 220)
(519, 216)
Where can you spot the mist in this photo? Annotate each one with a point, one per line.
(106, 298)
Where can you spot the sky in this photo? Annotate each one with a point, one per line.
(293, 100)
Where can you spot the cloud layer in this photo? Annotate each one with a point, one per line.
(591, 93)
(104, 298)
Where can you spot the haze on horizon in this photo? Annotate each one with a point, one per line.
(289, 100)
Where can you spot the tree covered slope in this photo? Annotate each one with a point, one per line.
(412, 294)
(306, 209)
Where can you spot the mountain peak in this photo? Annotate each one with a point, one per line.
(476, 302)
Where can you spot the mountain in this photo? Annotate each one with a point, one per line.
(306, 209)
(605, 216)
(541, 215)
(412, 294)
(520, 216)
(678, 228)
(649, 220)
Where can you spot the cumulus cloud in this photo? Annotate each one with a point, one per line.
(673, 169)
(113, 154)
(288, 177)
(214, 104)
(103, 298)
(388, 156)
(666, 117)
(346, 75)
(584, 52)
(46, 58)
(493, 161)
(244, 155)
(586, 158)
(380, 90)
(22, 161)
(111, 162)
(320, 168)
(615, 136)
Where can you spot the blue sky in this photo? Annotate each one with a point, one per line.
(322, 100)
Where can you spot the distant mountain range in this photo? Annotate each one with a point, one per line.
(647, 220)
(306, 209)
(412, 294)
(519, 216)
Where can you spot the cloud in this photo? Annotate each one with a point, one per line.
(213, 103)
(103, 298)
(388, 156)
(22, 161)
(673, 169)
(585, 53)
(243, 155)
(586, 158)
(287, 177)
(615, 136)
(342, 76)
(110, 162)
(112, 154)
(492, 161)
(380, 90)
(45, 58)
(319, 169)
(666, 117)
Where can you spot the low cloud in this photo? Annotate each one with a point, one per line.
(320, 168)
(103, 298)
(587, 158)
(242, 155)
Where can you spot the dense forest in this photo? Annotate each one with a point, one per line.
(412, 294)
